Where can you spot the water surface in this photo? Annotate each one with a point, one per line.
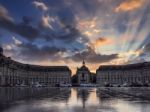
(74, 99)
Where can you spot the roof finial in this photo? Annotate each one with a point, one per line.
(83, 62)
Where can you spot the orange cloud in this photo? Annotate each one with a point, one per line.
(89, 27)
(129, 5)
(88, 33)
(102, 41)
(86, 24)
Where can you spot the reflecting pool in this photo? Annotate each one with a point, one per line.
(74, 99)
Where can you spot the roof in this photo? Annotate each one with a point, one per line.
(83, 68)
(124, 67)
(18, 65)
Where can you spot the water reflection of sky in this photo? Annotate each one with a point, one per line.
(73, 100)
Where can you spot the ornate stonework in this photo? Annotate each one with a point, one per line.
(14, 73)
(124, 74)
(83, 74)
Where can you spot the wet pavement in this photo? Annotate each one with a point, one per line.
(74, 99)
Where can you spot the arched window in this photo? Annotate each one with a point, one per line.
(82, 75)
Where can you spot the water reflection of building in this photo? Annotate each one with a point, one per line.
(83, 74)
(124, 74)
(14, 73)
(83, 94)
(12, 94)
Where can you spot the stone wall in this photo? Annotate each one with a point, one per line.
(124, 74)
(14, 73)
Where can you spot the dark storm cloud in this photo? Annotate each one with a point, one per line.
(73, 34)
(70, 32)
(27, 19)
(33, 52)
(22, 29)
(58, 8)
(66, 16)
(27, 31)
(69, 36)
(91, 56)
(48, 22)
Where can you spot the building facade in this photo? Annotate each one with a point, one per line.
(14, 73)
(83, 74)
(124, 74)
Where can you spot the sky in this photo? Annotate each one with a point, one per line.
(64, 32)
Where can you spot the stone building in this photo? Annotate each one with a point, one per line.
(15, 73)
(83, 74)
(123, 74)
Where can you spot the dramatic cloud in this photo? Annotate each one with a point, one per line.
(129, 5)
(89, 27)
(40, 5)
(46, 22)
(22, 29)
(92, 57)
(101, 31)
(130, 53)
(71, 34)
(27, 20)
(102, 41)
(31, 52)
(7, 47)
(4, 13)
(68, 33)
(85, 24)
(27, 31)
(16, 41)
